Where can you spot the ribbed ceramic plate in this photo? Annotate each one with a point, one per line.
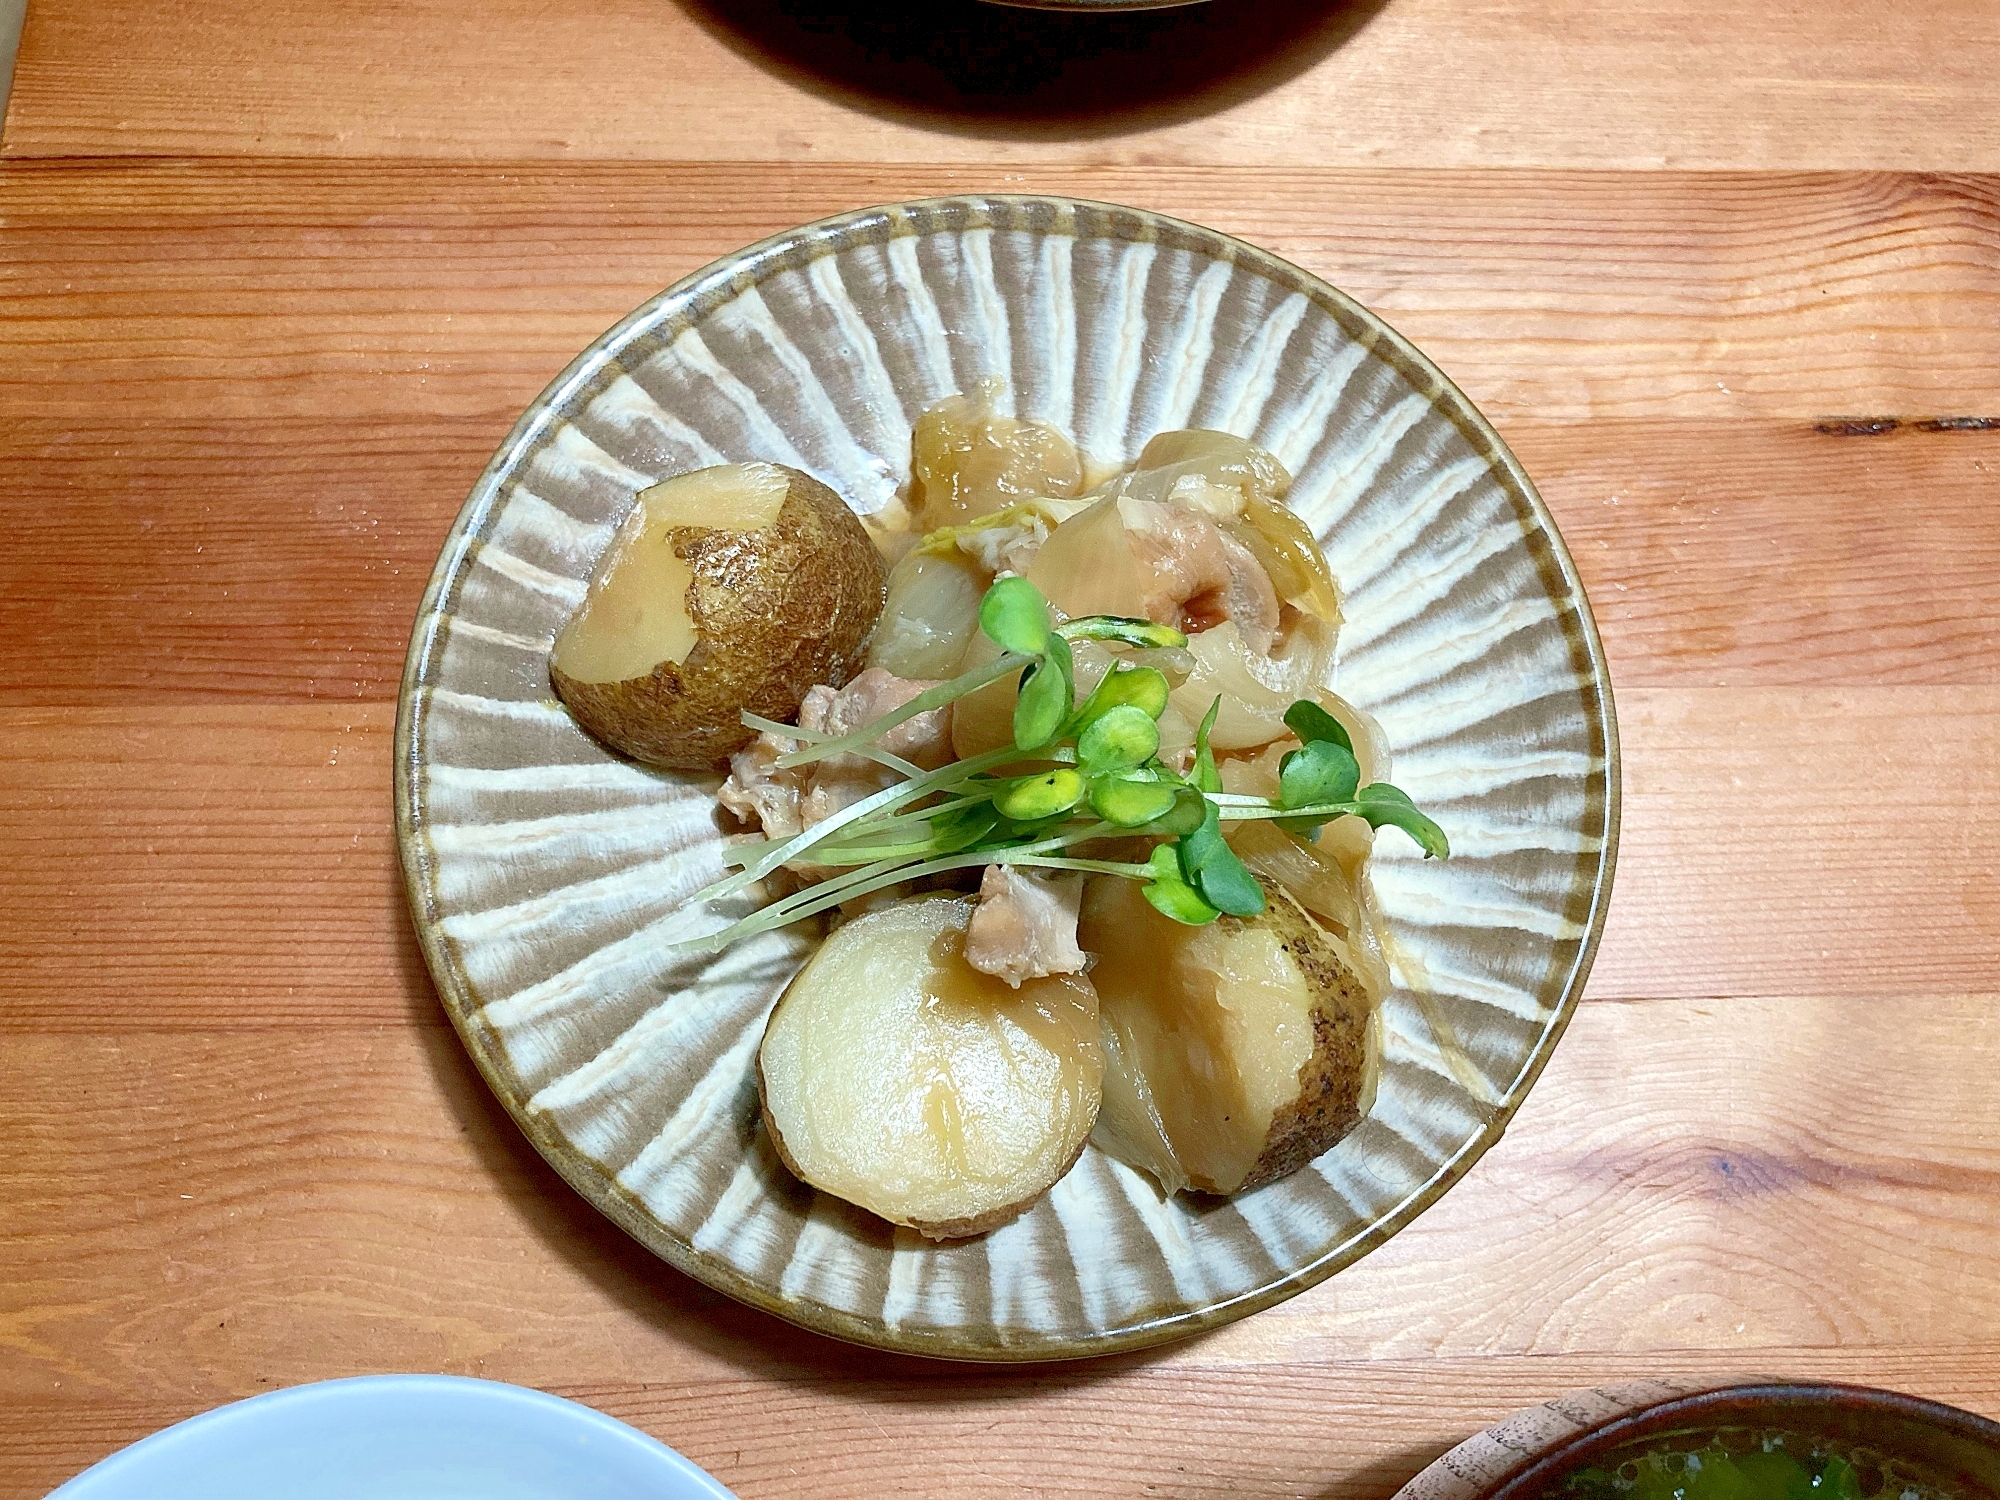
(547, 876)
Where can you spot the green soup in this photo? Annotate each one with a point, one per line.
(1764, 1470)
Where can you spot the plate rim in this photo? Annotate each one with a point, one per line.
(590, 1180)
(110, 1469)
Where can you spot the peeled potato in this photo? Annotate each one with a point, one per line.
(732, 588)
(1235, 1052)
(897, 1076)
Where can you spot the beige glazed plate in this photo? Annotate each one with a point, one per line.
(547, 876)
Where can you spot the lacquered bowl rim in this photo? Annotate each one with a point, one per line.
(1729, 1406)
(722, 279)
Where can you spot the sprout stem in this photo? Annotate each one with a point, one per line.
(787, 731)
(773, 855)
(875, 877)
(875, 827)
(929, 698)
(1095, 866)
(1079, 756)
(1236, 811)
(880, 756)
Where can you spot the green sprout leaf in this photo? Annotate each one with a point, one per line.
(1310, 722)
(1321, 772)
(962, 828)
(1015, 616)
(1119, 628)
(1033, 798)
(1189, 810)
(1211, 866)
(1839, 1480)
(1206, 777)
(1140, 687)
(1201, 844)
(1057, 654)
(1386, 806)
(1131, 802)
(1229, 886)
(1042, 706)
(1103, 777)
(1119, 739)
(1172, 896)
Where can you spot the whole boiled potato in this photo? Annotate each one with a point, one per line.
(731, 588)
(897, 1076)
(1235, 1053)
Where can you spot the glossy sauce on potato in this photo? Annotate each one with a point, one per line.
(900, 1078)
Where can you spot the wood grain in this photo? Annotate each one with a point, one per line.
(166, 1209)
(221, 868)
(1743, 554)
(388, 290)
(1325, 1431)
(254, 558)
(274, 281)
(232, 466)
(233, 868)
(1901, 84)
(283, 558)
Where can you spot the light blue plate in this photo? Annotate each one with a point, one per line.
(397, 1437)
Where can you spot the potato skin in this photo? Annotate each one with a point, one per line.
(1333, 1081)
(775, 612)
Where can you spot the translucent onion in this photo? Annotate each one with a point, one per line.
(1316, 879)
(966, 461)
(1176, 738)
(1222, 458)
(1371, 745)
(1087, 566)
(1255, 690)
(1129, 1126)
(931, 612)
(1290, 553)
(984, 719)
(1368, 955)
(1255, 775)
(1348, 841)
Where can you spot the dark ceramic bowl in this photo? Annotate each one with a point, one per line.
(1937, 1446)
(1098, 5)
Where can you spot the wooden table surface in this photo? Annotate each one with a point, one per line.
(276, 276)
